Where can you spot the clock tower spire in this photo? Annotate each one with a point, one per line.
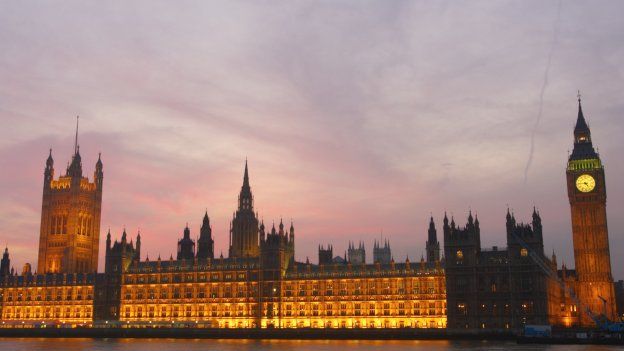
(588, 200)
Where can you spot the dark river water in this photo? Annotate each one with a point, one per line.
(259, 345)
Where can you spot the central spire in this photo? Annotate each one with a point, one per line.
(246, 176)
(245, 199)
(244, 231)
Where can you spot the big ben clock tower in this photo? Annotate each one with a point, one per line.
(588, 199)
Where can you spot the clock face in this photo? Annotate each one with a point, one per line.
(585, 183)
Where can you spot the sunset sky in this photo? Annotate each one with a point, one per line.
(359, 119)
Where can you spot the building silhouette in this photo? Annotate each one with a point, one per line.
(261, 284)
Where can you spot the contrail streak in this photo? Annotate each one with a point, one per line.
(541, 97)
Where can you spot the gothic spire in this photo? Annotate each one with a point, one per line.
(245, 199)
(581, 124)
(432, 233)
(583, 148)
(246, 176)
(206, 220)
(76, 147)
(50, 160)
(75, 168)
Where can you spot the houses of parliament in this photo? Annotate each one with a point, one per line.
(261, 284)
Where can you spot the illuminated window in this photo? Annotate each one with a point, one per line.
(524, 252)
(461, 308)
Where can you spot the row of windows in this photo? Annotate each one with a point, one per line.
(188, 293)
(184, 278)
(370, 291)
(47, 312)
(243, 291)
(48, 294)
(240, 310)
(84, 226)
(421, 285)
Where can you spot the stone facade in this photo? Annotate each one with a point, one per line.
(70, 218)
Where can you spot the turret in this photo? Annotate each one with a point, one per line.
(48, 174)
(432, 245)
(291, 244)
(186, 246)
(138, 247)
(537, 222)
(510, 221)
(205, 243)
(98, 175)
(5, 264)
(262, 232)
(325, 255)
(108, 241)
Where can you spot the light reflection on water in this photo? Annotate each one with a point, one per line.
(40, 344)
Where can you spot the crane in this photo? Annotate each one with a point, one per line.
(602, 322)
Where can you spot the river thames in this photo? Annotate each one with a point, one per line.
(40, 344)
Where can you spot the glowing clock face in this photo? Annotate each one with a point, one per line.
(585, 183)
